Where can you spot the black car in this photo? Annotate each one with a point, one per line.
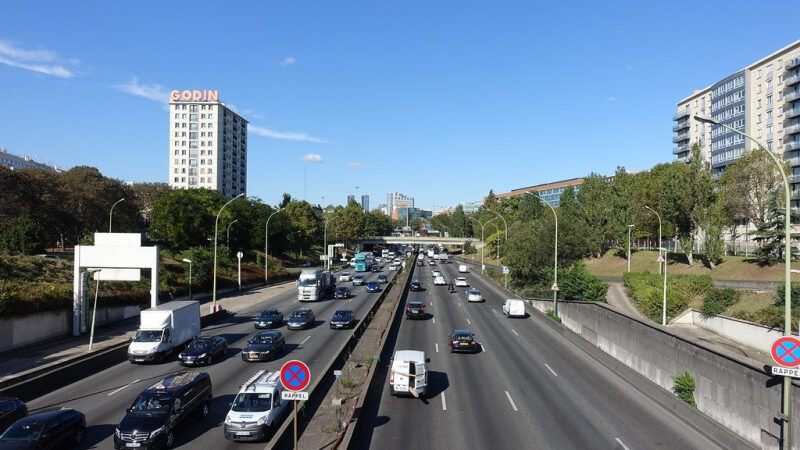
(383, 279)
(11, 409)
(342, 293)
(343, 318)
(373, 286)
(57, 429)
(415, 310)
(301, 319)
(416, 285)
(462, 341)
(163, 407)
(203, 350)
(270, 318)
(376, 268)
(264, 346)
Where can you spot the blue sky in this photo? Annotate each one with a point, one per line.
(438, 100)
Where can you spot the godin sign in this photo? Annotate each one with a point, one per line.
(194, 95)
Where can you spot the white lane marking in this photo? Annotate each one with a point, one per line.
(470, 323)
(494, 310)
(437, 347)
(483, 347)
(304, 340)
(123, 387)
(434, 320)
(511, 401)
(621, 444)
(551, 369)
(514, 331)
(444, 403)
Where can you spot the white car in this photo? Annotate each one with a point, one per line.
(439, 281)
(436, 273)
(393, 267)
(359, 280)
(474, 295)
(514, 308)
(345, 276)
(461, 281)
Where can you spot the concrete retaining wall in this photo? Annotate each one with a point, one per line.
(745, 333)
(732, 391)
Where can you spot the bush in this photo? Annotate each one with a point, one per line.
(718, 300)
(23, 236)
(684, 387)
(578, 284)
(647, 290)
(779, 299)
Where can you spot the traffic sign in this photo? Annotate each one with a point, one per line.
(295, 375)
(786, 351)
(785, 372)
(505, 269)
(554, 287)
(660, 259)
(239, 255)
(292, 395)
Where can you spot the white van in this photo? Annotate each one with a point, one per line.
(256, 408)
(462, 268)
(409, 373)
(514, 308)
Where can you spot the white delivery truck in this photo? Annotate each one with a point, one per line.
(256, 408)
(444, 258)
(409, 373)
(462, 268)
(163, 329)
(430, 253)
(315, 284)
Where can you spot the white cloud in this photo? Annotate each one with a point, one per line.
(285, 135)
(611, 99)
(355, 165)
(288, 61)
(41, 61)
(312, 158)
(153, 92)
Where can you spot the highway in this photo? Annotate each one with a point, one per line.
(526, 388)
(104, 396)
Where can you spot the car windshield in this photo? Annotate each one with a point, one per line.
(250, 402)
(474, 292)
(462, 337)
(148, 336)
(308, 282)
(300, 315)
(27, 431)
(262, 339)
(7, 407)
(200, 345)
(152, 405)
(341, 314)
(414, 305)
(268, 314)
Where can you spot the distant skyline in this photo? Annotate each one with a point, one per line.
(441, 101)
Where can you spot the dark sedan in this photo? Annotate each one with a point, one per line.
(376, 268)
(373, 286)
(462, 341)
(270, 318)
(342, 293)
(416, 285)
(58, 429)
(301, 319)
(203, 350)
(383, 279)
(11, 410)
(343, 318)
(264, 346)
(415, 310)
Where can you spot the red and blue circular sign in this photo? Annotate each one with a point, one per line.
(295, 375)
(786, 351)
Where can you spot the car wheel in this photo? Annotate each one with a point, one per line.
(79, 435)
(170, 439)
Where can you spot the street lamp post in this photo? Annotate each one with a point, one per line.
(216, 229)
(325, 244)
(266, 247)
(506, 235)
(112, 212)
(190, 276)
(228, 234)
(630, 227)
(664, 261)
(482, 242)
(787, 255)
(497, 229)
(555, 255)
(94, 309)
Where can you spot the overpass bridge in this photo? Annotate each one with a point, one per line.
(420, 240)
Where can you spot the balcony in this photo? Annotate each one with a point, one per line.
(794, 178)
(680, 149)
(681, 126)
(684, 113)
(792, 80)
(791, 146)
(791, 113)
(681, 137)
(793, 162)
(792, 129)
(796, 195)
(792, 63)
(790, 97)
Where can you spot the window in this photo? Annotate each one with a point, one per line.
(210, 116)
(192, 108)
(758, 75)
(183, 125)
(780, 64)
(177, 124)
(183, 134)
(193, 126)
(193, 117)
(183, 116)
(176, 152)
(758, 118)
(177, 116)
(202, 179)
(192, 144)
(210, 170)
(759, 103)
(183, 143)
(183, 107)
(210, 152)
(175, 170)
(211, 125)
(183, 179)
(183, 161)
(203, 107)
(175, 161)
(183, 152)
(193, 134)
(175, 180)
(176, 134)
(210, 134)
(769, 145)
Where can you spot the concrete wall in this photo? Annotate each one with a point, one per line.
(730, 390)
(21, 331)
(745, 333)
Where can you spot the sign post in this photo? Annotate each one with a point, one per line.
(295, 376)
(239, 257)
(505, 272)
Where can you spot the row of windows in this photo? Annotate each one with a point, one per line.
(202, 125)
(729, 113)
(193, 117)
(719, 131)
(193, 108)
(728, 86)
(737, 96)
(729, 141)
(727, 156)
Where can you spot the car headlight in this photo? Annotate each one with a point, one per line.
(228, 420)
(261, 421)
(202, 355)
(181, 355)
(157, 431)
(116, 432)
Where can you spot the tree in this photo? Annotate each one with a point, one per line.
(594, 200)
(530, 207)
(90, 196)
(305, 226)
(23, 236)
(713, 225)
(285, 200)
(377, 223)
(348, 223)
(144, 196)
(490, 199)
(748, 186)
(185, 218)
(458, 222)
(770, 234)
(621, 207)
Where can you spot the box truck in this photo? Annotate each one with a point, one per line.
(315, 284)
(163, 329)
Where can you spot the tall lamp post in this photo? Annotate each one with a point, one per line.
(506, 235)
(228, 234)
(555, 255)
(112, 212)
(630, 227)
(482, 242)
(266, 247)
(190, 276)
(325, 244)
(216, 229)
(497, 229)
(660, 260)
(787, 255)
(94, 309)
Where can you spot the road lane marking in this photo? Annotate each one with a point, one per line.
(468, 322)
(551, 369)
(494, 310)
(621, 444)
(483, 347)
(444, 403)
(514, 331)
(437, 347)
(123, 387)
(304, 340)
(511, 401)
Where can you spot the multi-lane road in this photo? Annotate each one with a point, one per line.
(104, 396)
(526, 387)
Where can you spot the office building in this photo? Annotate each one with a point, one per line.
(15, 162)
(395, 201)
(761, 100)
(350, 198)
(408, 215)
(549, 192)
(208, 144)
(365, 203)
(383, 208)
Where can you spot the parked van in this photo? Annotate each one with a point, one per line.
(409, 373)
(514, 308)
(256, 408)
(462, 268)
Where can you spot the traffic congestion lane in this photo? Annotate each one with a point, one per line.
(104, 396)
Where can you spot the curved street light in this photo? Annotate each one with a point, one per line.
(506, 235)
(555, 254)
(228, 234)
(664, 306)
(216, 229)
(112, 212)
(482, 241)
(266, 247)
